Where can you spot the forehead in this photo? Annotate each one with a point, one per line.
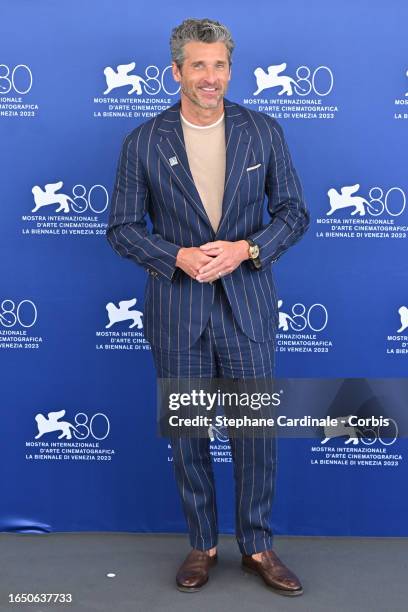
(195, 51)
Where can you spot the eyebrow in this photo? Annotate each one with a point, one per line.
(203, 61)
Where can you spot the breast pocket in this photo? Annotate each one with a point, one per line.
(253, 183)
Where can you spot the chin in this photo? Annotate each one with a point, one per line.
(210, 104)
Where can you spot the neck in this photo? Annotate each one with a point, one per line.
(200, 116)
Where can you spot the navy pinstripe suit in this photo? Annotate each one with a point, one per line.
(226, 328)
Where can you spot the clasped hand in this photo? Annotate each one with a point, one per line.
(212, 259)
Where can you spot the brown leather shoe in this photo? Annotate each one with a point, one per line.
(274, 573)
(193, 573)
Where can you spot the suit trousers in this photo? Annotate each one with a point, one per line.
(224, 351)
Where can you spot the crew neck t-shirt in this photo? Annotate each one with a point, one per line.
(205, 147)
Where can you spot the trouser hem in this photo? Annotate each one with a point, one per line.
(203, 546)
(251, 547)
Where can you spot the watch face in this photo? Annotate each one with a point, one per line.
(254, 251)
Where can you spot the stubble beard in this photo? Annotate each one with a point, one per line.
(193, 97)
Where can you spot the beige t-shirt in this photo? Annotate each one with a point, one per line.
(205, 146)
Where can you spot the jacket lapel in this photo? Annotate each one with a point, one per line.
(238, 144)
(172, 150)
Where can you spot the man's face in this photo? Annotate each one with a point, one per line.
(205, 73)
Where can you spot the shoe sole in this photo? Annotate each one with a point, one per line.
(285, 592)
(191, 589)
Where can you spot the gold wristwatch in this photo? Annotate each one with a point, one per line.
(253, 253)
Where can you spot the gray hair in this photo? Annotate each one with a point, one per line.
(200, 30)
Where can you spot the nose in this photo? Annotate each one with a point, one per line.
(210, 75)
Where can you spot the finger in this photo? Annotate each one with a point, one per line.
(209, 245)
(211, 275)
(213, 251)
(213, 266)
(206, 259)
(209, 279)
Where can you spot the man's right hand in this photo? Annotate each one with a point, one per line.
(192, 259)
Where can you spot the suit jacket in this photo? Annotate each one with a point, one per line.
(154, 180)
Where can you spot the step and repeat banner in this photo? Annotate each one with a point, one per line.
(78, 396)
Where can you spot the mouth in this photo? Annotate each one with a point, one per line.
(208, 90)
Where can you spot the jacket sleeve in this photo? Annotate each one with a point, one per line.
(127, 232)
(286, 206)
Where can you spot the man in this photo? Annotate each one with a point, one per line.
(200, 171)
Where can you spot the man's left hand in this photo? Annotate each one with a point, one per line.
(226, 257)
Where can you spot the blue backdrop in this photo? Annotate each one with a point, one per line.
(335, 77)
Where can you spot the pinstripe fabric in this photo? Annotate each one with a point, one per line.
(223, 350)
(258, 162)
(225, 329)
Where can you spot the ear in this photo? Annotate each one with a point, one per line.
(175, 71)
(230, 72)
